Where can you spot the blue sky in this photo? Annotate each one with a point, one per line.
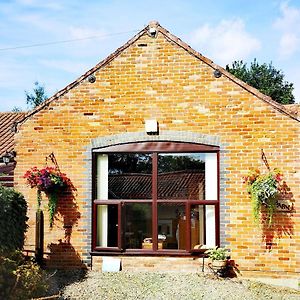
(223, 31)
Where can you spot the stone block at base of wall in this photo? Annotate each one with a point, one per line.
(153, 264)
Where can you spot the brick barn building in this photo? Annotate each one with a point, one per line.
(156, 139)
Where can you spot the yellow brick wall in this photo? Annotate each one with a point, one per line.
(162, 81)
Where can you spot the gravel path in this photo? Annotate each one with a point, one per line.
(129, 286)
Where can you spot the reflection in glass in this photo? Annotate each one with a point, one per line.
(171, 226)
(138, 226)
(129, 176)
(181, 176)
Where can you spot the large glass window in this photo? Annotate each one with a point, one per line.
(150, 197)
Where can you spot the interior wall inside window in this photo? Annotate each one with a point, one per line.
(210, 225)
(138, 226)
(171, 225)
(102, 193)
(211, 176)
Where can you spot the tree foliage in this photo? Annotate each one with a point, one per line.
(37, 97)
(16, 109)
(173, 163)
(142, 163)
(13, 209)
(265, 78)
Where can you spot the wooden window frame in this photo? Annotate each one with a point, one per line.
(153, 148)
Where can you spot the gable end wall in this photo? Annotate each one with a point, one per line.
(162, 81)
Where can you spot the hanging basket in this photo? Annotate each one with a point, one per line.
(50, 181)
(264, 190)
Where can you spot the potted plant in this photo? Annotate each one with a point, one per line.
(218, 256)
(264, 190)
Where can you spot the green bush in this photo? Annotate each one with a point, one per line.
(217, 253)
(13, 209)
(20, 279)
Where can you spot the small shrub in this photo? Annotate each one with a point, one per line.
(20, 279)
(13, 209)
(217, 253)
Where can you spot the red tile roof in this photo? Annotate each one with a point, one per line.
(7, 143)
(178, 42)
(7, 121)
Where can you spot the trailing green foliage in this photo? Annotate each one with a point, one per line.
(264, 190)
(20, 279)
(217, 253)
(265, 78)
(13, 209)
(52, 204)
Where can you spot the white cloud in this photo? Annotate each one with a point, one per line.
(288, 24)
(225, 42)
(290, 17)
(289, 44)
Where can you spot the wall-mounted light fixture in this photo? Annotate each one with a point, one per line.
(151, 127)
(8, 157)
(91, 78)
(153, 29)
(217, 73)
(152, 32)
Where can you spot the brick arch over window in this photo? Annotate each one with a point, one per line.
(135, 137)
(175, 136)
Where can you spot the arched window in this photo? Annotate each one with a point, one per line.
(158, 197)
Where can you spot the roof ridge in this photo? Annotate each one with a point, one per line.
(180, 43)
